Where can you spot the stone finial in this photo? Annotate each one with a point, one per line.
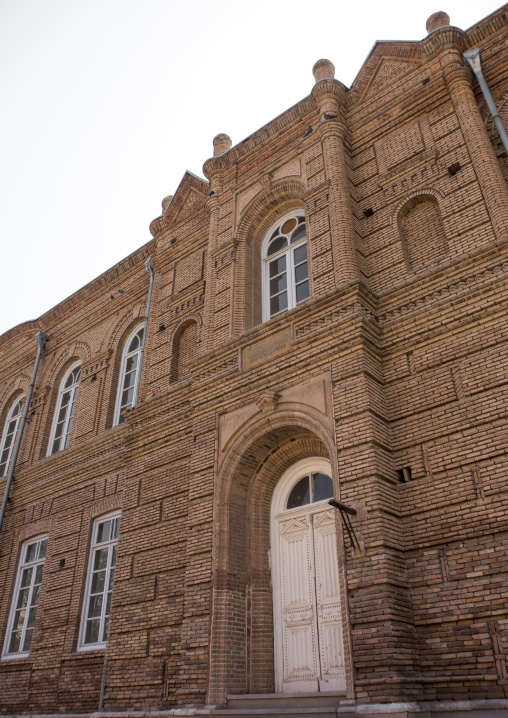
(437, 20)
(221, 143)
(323, 69)
(166, 202)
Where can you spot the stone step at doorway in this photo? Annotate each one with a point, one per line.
(288, 700)
(328, 705)
(286, 705)
(327, 712)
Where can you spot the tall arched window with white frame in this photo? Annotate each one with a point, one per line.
(25, 598)
(128, 383)
(285, 267)
(10, 434)
(62, 421)
(99, 584)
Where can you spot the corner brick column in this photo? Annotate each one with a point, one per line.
(213, 172)
(212, 205)
(330, 98)
(486, 166)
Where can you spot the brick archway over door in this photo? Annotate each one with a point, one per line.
(241, 644)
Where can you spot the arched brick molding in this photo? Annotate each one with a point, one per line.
(121, 327)
(10, 392)
(5, 408)
(57, 365)
(241, 648)
(184, 347)
(422, 231)
(255, 221)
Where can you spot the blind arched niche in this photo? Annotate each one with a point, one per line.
(185, 350)
(422, 232)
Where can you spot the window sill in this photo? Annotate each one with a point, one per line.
(16, 657)
(97, 647)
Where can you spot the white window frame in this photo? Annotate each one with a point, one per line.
(20, 400)
(288, 252)
(69, 415)
(97, 545)
(125, 356)
(290, 478)
(24, 564)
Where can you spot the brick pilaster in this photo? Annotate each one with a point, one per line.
(495, 193)
(330, 96)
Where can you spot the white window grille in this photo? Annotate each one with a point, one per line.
(285, 268)
(99, 584)
(26, 598)
(128, 383)
(10, 434)
(62, 421)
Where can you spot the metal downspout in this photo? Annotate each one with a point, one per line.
(40, 340)
(148, 265)
(474, 60)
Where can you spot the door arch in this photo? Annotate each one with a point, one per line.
(308, 639)
(241, 649)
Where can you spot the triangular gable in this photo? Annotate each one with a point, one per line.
(386, 71)
(386, 62)
(188, 198)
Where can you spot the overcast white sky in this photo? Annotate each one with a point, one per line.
(106, 103)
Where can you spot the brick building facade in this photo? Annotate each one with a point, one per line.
(328, 318)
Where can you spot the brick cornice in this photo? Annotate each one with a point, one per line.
(288, 119)
(29, 328)
(97, 453)
(88, 293)
(461, 280)
(444, 38)
(486, 28)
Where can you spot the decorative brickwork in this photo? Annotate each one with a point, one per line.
(392, 373)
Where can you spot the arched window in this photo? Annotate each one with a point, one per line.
(64, 413)
(313, 487)
(128, 383)
(285, 268)
(10, 433)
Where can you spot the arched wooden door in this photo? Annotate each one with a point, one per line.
(309, 647)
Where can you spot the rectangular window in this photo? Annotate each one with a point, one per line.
(99, 584)
(25, 599)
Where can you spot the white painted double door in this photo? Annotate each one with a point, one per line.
(308, 614)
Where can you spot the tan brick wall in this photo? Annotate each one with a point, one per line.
(394, 370)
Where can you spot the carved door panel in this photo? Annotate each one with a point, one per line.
(312, 651)
(329, 615)
(299, 626)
